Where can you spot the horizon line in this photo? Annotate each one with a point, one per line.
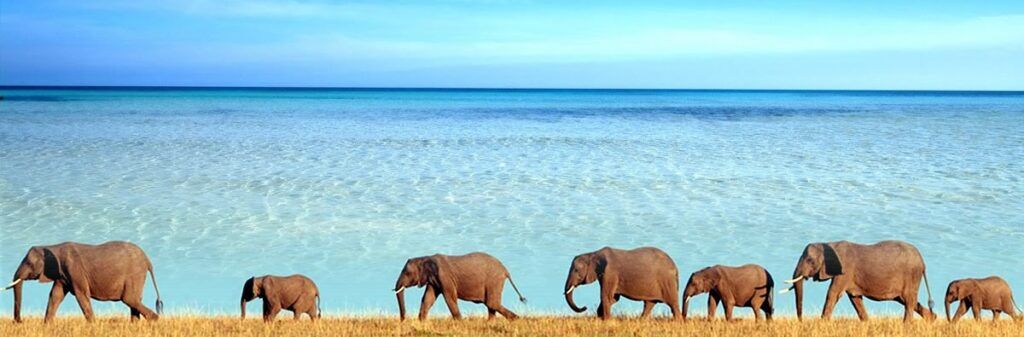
(413, 88)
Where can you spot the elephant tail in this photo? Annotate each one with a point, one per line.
(1020, 314)
(159, 303)
(319, 311)
(770, 285)
(509, 277)
(931, 303)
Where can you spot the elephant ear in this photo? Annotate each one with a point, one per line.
(833, 264)
(73, 267)
(974, 290)
(427, 270)
(53, 269)
(598, 262)
(438, 271)
(715, 277)
(248, 290)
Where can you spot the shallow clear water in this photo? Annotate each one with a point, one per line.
(345, 185)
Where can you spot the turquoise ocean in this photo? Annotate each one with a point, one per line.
(344, 185)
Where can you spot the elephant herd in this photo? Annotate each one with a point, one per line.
(884, 271)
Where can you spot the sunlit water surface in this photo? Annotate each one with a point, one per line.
(344, 186)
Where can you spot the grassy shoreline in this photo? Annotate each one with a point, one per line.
(477, 326)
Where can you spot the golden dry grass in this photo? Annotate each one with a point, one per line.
(544, 326)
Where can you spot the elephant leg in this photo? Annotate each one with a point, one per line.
(858, 304)
(312, 312)
(924, 312)
(909, 306)
(135, 314)
(600, 307)
(673, 305)
(648, 306)
(995, 315)
(138, 308)
(755, 303)
(767, 310)
(830, 300)
(493, 302)
(270, 310)
(976, 310)
(451, 298)
(607, 298)
(960, 311)
(508, 314)
(429, 296)
(57, 294)
(728, 309)
(85, 304)
(1009, 310)
(712, 306)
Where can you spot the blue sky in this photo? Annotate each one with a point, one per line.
(578, 44)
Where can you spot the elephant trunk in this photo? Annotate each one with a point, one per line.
(798, 287)
(19, 279)
(687, 293)
(686, 305)
(17, 302)
(571, 302)
(400, 294)
(948, 301)
(243, 306)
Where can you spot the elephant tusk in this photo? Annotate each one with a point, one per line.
(570, 290)
(9, 286)
(400, 289)
(783, 291)
(795, 280)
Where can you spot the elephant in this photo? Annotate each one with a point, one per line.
(643, 274)
(112, 271)
(884, 271)
(295, 293)
(749, 285)
(990, 293)
(475, 277)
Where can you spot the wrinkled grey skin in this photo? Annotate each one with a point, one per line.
(749, 285)
(644, 274)
(295, 293)
(884, 271)
(475, 277)
(990, 293)
(112, 271)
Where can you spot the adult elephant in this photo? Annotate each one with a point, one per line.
(112, 271)
(884, 271)
(644, 274)
(475, 277)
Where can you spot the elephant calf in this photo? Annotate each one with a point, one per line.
(296, 293)
(474, 277)
(749, 285)
(990, 293)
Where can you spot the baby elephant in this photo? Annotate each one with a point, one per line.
(296, 293)
(746, 286)
(990, 293)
